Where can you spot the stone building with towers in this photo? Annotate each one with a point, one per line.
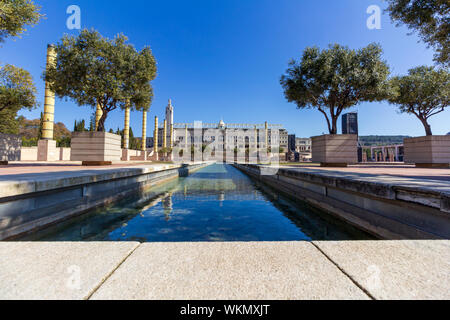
(216, 137)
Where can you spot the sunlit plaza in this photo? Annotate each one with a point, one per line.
(237, 158)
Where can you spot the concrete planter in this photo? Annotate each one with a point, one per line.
(95, 148)
(337, 150)
(10, 145)
(428, 151)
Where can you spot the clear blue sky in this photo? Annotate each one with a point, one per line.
(223, 59)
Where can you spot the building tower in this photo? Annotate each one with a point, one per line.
(169, 121)
(350, 123)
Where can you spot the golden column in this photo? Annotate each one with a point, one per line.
(126, 129)
(144, 130)
(165, 135)
(49, 102)
(155, 136)
(98, 115)
(267, 135)
(171, 136)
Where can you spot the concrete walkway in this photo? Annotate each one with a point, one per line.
(235, 270)
(386, 170)
(21, 179)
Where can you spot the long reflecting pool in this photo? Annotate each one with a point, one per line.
(216, 203)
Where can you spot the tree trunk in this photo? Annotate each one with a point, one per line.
(333, 129)
(328, 120)
(426, 126)
(101, 122)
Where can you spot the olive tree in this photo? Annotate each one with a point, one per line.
(430, 18)
(15, 15)
(336, 79)
(17, 91)
(91, 70)
(424, 92)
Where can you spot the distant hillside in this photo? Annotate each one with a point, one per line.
(381, 140)
(29, 130)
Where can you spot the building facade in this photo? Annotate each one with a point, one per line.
(350, 123)
(218, 137)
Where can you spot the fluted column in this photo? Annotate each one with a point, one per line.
(165, 135)
(49, 101)
(98, 115)
(186, 137)
(155, 136)
(144, 130)
(126, 129)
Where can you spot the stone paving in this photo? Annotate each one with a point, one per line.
(235, 270)
(399, 170)
(23, 168)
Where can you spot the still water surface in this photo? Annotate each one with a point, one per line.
(216, 203)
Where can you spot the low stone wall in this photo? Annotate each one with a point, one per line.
(64, 154)
(33, 204)
(10, 145)
(29, 154)
(387, 210)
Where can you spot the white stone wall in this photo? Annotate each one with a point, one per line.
(64, 154)
(29, 154)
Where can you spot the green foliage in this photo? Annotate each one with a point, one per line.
(15, 15)
(91, 69)
(8, 122)
(41, 125)
(165, 150)
(424, 92)
(134, 143)
(430, 18)
(30, 130)
(17, 91)
(336, 79)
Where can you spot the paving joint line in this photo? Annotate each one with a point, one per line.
(344, 272)
(88, 297)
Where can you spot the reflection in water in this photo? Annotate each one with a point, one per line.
(217, 203)
(167, 205)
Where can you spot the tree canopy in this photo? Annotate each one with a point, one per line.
(16, 15)
(17, 91)
(430, 18)
(336, 79)
(424, 92)
(91, 69)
